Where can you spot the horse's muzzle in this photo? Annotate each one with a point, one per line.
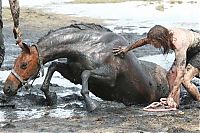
(9, 90)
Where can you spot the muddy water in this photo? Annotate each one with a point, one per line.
(30, 104)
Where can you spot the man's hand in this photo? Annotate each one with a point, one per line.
(171, 103)
(121, 51)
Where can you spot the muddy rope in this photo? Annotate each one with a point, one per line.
(15, 11)
(159, 106)
(18, 38)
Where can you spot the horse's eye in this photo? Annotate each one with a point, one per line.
(23, 65)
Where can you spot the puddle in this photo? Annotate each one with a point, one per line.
(25, 109)
(36, 113)
(64, 109)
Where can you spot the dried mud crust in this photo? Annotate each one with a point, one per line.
(110, 116)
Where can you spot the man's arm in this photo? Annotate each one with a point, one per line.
(137, 44)
(124, 50)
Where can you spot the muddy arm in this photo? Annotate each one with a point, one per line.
(137, 44)
(175, 78)
(124, 50)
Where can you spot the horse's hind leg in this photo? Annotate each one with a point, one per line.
(104, 73)
(51, 96)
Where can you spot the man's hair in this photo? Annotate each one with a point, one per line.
(162, 35)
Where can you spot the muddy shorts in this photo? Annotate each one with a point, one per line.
(195, 60)
(193, 55)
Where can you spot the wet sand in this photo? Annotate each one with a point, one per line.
(110, 117)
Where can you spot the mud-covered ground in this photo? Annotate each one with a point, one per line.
(109, 117)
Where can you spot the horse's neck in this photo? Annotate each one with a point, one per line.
(51, 52)
(64, 46)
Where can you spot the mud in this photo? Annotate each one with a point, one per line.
(27, 111)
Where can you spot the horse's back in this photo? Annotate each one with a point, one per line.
(74, 28)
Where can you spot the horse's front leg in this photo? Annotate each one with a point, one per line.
(105, 72)
(51, 97)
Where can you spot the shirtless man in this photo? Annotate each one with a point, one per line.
(14, 6)
(186, 45)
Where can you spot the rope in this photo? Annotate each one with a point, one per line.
(153, 107)
(15, 12)
(18, 36)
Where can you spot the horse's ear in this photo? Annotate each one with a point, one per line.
(25, 48)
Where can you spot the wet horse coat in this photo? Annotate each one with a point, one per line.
(90, 62)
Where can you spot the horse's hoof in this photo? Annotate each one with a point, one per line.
(91, 105)
(52, 100)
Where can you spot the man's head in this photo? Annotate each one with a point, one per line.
(160, 37)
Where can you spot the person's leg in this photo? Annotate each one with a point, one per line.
(190, 73)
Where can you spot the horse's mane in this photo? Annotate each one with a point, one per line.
(89, 26)
(79, 26)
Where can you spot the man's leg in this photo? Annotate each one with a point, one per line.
(190, 73)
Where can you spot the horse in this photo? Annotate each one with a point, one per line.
(91, 63)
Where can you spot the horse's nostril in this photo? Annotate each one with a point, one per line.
(9, 88)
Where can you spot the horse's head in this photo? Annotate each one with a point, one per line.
(26, 66)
